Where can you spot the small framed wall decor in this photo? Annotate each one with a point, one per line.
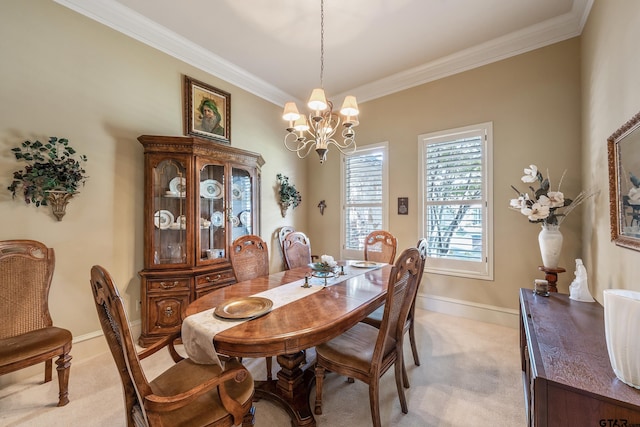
(207, 111)
(403, 206)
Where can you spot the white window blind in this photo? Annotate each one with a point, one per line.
(455, 217)
(364, 201)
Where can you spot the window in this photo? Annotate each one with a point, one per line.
(456, 213)
(364, 197)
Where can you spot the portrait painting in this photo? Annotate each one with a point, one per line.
(207, 111)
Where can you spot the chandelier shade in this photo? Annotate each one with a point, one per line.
(316, 131)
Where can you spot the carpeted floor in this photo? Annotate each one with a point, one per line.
(469, 376)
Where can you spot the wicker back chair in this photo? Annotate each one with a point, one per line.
(187, 393)
(380, 246)
(297, 250)
(249, 257)
(365, 352)
(27, 334)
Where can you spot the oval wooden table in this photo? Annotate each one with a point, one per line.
(289, 330)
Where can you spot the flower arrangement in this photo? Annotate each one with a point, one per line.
(51, 166)
(327, 263)
(547, 207)
(289, 196)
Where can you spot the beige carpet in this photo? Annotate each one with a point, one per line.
(470, 376)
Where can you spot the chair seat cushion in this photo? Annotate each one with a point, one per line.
(354, 348)
(32, 344)
(185, 375)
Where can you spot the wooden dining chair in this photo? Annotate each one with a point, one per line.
(296, 247)
(187, 393)
(250, 259)
(27, 334)
(365, 352)
(375, 318)
(380, 246)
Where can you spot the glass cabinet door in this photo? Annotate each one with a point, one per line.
(169, 237)
(212, 216)
(241, 215)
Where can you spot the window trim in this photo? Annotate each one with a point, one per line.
(483, 271)
(384, 146)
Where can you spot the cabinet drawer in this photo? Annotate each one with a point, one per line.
(216, 278)
(168, 284)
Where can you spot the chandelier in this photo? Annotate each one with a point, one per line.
(318, 130)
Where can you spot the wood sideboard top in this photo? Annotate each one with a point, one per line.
(569, 346)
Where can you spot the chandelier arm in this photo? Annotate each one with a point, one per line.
(349, 146)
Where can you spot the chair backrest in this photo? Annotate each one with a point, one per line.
(422, 246)
(115, 326)
(401, 290)
(26, 271)
(283, 232)
(249, 257)
(380, 246)
(297, 250)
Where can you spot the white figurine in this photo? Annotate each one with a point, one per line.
(579, 288)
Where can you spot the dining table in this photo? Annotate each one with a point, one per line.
(304, 309)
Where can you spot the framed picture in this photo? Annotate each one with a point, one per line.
(207, 111)
(403, 206)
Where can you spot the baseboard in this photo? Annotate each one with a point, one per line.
(470, 310)
(84, 347)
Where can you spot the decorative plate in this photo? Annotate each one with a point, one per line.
(217, 219)
(211, 189)
(235, 222)
(244, 308)
(245, 218)
(236, 192)
(178, 185)
(163, 219)
(366, 264)
(182, 221)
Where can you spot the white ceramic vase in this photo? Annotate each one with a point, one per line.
(621, 320)
(550, 241)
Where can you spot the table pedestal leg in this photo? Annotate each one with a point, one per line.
(291, 389)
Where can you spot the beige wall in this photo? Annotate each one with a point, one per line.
(65, 75)
(533, 101)
(610, 97)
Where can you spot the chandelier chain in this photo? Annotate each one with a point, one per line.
(321, 43)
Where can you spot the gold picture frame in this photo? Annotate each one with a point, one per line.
(207, 111)
(624, 184)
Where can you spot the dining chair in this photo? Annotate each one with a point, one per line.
(380, 246)
(185, 394)
(296, 247)
(375, 318)
(27, 334)
(250, 259)
(282, 232)
(365, 352)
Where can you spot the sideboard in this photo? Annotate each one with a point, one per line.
(568, 379)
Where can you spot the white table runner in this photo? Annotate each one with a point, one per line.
(199, 329)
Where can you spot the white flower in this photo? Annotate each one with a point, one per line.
(536, 212)
(328, 260)
(634, 194)
(518, 203)
(530, 174)
(556, 198)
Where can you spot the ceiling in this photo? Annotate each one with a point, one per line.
(372, 48)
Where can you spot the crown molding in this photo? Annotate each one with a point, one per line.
(128, 22)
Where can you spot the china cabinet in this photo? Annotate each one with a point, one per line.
(198, 197)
